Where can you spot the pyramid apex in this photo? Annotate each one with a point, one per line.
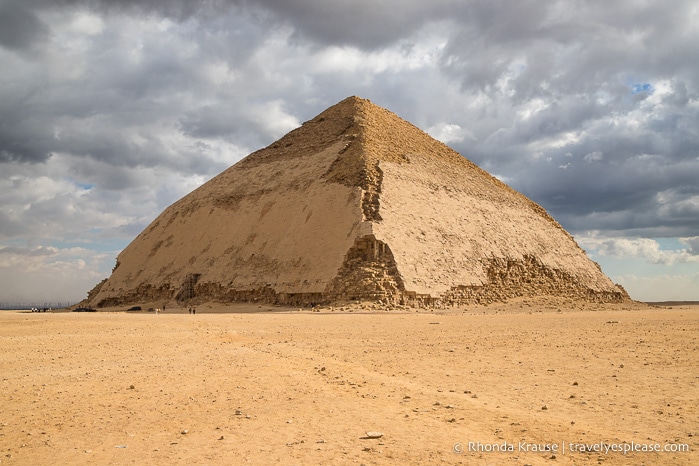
(355, 98)
(351, 105)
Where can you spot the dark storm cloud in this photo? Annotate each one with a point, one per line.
(176, 9)
(635, 197)
(366, 24)
(616, 123)
(589, 108)
(693, 244)
(20, 28)
(570, 47)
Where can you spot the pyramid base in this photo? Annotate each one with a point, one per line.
(369, 274)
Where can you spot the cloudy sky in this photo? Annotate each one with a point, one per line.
(112, 110)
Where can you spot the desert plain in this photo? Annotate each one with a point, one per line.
(545, 381)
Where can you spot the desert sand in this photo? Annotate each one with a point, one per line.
(249, 384)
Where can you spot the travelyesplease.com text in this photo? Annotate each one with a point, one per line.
(569, 447)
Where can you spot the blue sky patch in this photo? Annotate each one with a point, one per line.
(638, 88)
(83, 186)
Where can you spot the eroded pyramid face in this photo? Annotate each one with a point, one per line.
(356, 204)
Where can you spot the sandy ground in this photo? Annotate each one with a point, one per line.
(278, 386)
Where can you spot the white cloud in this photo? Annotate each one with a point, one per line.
(47, 273)
(638, 248)
(274, 117)
(693, 243)
(449, 132)
(665, 287)
(531, 108)
(592, 157)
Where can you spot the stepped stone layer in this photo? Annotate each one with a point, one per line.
(356, 204)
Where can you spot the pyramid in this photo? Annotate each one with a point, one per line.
(356, 204)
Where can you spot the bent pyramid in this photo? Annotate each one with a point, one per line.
(356, 204)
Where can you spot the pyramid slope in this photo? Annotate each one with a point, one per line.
(355, 204)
